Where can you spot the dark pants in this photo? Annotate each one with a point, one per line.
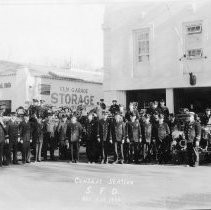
(118, 151)
(192, 154)
(135, 151)
(13, 151)
(104, 151)
(74, 147)
(63, 152)
(1, 152)
(146, 150)
(6, 152)
(163, 151)
(38, 151)
(126, 150)
(26, 152)
(49, 142)
(90, 151)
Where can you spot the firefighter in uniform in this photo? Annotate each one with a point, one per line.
(118, 138)
(133, 134)
(164, 110)
(206, 129)
(39, 139)
(2, 140)
(206, 118)
(153, 108)
(91, 126)
(49, 136)
(131, 110)
(62, 132)
(161, 133)
(192, 132)
(114, 107)
(74, 134)
(104, 136)
(26, 139)
(14, 137)
(146, 129)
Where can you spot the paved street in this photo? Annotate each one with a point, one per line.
(62, 185)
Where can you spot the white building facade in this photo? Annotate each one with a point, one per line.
(20, 84)
(151, 48)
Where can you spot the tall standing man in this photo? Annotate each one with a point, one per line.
(118, 138)
(193, 136)
(104, 136)
(26, 139)
(14, 137)
(74, 134)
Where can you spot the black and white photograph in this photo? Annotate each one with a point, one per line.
(105, 104)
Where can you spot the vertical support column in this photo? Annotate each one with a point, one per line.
(170, 99)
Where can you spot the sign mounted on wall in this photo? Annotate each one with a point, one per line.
(5, 85)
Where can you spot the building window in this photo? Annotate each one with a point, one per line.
(44, 89)
(142, 45)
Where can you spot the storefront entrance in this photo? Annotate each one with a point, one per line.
(144, 97)
(195, 99)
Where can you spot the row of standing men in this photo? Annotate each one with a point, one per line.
(127, 137)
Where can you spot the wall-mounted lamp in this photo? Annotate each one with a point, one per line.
(192, 78)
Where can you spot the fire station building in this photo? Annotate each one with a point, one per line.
(158, 51)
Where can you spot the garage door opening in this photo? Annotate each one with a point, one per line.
(195, 99)
(144, 97)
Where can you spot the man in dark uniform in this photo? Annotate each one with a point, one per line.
(164, 110)
(2, 140)
(134, 135)
(92, 149)
(104, 136)
(172, 123)
(153, 108)
(26, 139)
(146, 129)
(34, 109)
(49, 136)
(114, 107)
(74, 135)
(161, 133)
(62, 132)
(206, 129)
(192, 132)
(206, 118)
(131, 111)
(14, 137)
(118, 138)
(42, 110)
(102, 104)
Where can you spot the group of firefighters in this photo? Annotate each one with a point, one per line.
(109, 134)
